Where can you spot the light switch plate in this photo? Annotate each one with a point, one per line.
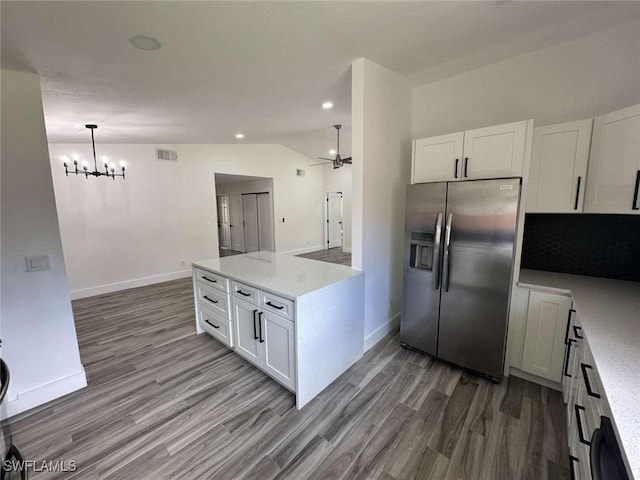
(38, 263)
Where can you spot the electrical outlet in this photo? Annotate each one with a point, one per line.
(38, 263)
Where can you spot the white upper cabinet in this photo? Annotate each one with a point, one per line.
(559, 159)
(437, 159)
(492, 152)
(614, 166)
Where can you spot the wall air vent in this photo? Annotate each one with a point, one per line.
(300, 172)
(164, 154)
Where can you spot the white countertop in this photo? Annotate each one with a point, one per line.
(282, 274)
(610, 314)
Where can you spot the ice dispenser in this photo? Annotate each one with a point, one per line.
(422, 248)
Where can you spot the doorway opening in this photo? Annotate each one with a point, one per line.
(245, 214)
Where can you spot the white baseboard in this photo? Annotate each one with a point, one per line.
(44, 393)
(303, 250)
(346, 249)
(136, 282)
(381, 332)
(535, 379)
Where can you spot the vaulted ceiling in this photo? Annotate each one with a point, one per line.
(260, 68)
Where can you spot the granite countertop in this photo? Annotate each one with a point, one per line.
(610, 314)
(279, 273)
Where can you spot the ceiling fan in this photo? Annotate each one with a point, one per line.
(338, 161)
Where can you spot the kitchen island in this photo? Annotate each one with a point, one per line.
(300, 321)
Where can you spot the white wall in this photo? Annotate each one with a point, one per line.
(381, 126)
(582, 78)
(340, 180)
(38, 332)
(120, 234)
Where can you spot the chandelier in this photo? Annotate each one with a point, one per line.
(109, 168)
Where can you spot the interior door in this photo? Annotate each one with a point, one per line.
(224, 234)
(250, 222)
(477, 266)
(334, 219)
(265, 222)
(424, 217)
(245, 330)
(235, 222)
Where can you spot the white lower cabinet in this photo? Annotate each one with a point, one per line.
(266, 340)
(586, 403)
(544, 341)
(278, 348)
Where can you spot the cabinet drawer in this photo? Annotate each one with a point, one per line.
(245, 292)
(213, 299)
(278, 305)
(216, 326)
(212, 279)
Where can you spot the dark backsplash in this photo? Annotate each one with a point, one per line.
(595, 245)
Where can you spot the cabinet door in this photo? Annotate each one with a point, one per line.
(245, 330)
(559, 167)
(614, 166)
(437, 159)
(278, 349)
(494, 152)
(544, 345)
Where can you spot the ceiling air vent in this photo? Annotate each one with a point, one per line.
(163, 154)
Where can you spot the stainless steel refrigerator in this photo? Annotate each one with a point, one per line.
(458, 263)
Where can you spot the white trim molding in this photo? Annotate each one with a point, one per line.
(381, 332)
(44, 393)
(516, 372)
(300, 251)
(136, 282)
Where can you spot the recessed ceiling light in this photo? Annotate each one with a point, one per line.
(145, 43)
(239, 136)
(327, 105)
(332, 152)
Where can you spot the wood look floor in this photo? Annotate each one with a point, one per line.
(165, 403)
(331, 255)
(225, 252)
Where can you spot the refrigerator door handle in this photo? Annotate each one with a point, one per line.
(436, 252)
(447, 255)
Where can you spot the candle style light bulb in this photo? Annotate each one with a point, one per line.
(84, 164)
(75, 156)
(123, 164)
(65, 161)
(112, 166)
(105, 159)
